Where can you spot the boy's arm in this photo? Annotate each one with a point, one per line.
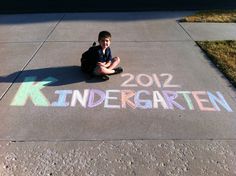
(104, 64)
(101, 64)
(107, 64)
(109, 58)
(100, 56)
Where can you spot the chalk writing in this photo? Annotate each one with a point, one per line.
(146, 80)
(31, 91)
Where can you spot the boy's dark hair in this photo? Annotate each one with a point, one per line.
(104, 34)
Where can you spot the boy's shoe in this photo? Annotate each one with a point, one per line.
(118, 70)
(105, 77)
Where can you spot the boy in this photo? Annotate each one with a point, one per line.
(106, 65)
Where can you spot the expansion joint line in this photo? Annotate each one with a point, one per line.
(185, 31)
(31, 58)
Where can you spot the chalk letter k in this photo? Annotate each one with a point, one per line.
(31, 89)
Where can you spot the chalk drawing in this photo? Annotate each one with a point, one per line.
(140, 81)
(146, 80)
(220, 100)
(109, 97)
(201, 100)
(31, 91)
(101, 97)
(158, 98)
(126, 95)
(170, 97)
(82, 99)
(186, 95)
(62, 98)
(142, 103)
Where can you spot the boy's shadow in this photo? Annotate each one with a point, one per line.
(64, 75)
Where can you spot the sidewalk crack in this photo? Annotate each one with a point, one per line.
(30, 59)
(185, 30)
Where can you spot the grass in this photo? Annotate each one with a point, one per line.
(214, 16)
(223, 55)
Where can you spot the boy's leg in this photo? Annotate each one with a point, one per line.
(98, 72)
(103, 71)
(115, 62)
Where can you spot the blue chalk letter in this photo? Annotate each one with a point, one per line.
(220, 100)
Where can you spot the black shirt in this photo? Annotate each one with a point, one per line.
(100, 57)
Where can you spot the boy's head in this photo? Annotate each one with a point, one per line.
(104, 39)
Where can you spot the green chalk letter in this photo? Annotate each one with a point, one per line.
(31, 89)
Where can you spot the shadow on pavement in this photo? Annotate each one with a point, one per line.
(64, 75)
(18, 19)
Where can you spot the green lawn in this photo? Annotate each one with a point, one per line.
(223, 55)
(215, 16)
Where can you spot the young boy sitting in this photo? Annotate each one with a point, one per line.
(106, 65)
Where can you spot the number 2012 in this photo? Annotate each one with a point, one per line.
(146, 80)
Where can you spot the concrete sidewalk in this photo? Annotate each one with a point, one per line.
(170, 113)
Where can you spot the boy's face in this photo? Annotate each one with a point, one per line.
(105, 42)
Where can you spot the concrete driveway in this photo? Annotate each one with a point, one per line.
(169, 91)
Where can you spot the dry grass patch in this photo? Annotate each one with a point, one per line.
(223, 55)
(214, 16)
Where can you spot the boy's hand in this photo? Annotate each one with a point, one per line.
(101, 64)
(104, 64)
(107, 64)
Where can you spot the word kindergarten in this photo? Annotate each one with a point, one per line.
(31, 91)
